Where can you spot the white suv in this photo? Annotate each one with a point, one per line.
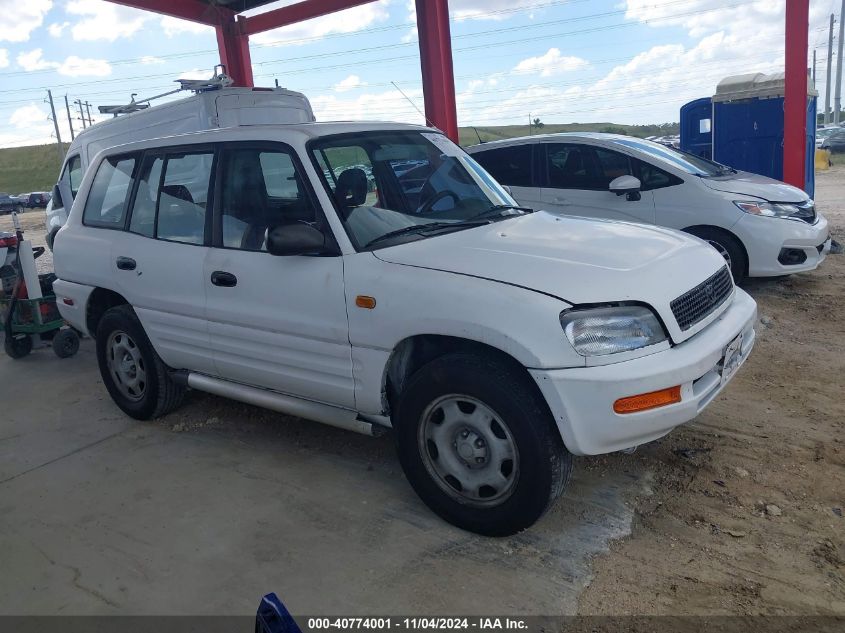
(372, 275)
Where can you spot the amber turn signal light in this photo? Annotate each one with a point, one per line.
(363, 301)
(646, 401)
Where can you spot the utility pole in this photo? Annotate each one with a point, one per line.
(69, 120)
(814, 68)
(56, 126)
(529, 124)
(78, 104)
(829, 66)
(837, 97)
(88, 107)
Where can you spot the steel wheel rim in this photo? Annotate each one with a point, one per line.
(468, 450)
(126, 366)
(722, 251)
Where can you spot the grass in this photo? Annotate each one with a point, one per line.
(25, 169)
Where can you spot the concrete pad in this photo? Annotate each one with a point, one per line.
(220, 503)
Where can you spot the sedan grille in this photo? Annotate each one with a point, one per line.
(696, 304)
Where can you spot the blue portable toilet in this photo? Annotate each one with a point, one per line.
(747, 126)
(696, 127)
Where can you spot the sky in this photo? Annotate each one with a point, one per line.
(634, 61)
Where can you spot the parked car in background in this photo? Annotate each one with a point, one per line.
(762, 227)
(34, 200)
(9, 203)
(256, 262)
(833, 140)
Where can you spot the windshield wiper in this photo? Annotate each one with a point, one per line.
(497, 210)
(422, 228)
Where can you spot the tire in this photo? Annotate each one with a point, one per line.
(728, 246)
(65, 343)
(18, 347)
(136, 378)
(430, 408)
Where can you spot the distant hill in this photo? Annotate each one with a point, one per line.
(487, 133)
(36, 168)
(25, 169)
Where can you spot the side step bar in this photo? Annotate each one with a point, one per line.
(327, 414)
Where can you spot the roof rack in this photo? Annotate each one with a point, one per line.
(218, 80)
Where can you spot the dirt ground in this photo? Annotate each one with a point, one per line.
(745, 514)
(741, 511)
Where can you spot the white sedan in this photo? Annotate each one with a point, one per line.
(761, 226)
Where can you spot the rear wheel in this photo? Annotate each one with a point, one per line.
(18, 347)
(478, 444)
(728, 247)
(136, 378)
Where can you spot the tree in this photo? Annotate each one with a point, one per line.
(538, 123)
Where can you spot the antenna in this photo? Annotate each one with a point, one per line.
(427, 120)
(474, 129)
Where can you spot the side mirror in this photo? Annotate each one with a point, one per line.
(626, 185)
(295, 239)
(57, 198)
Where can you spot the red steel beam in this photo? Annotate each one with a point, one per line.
(795, 94)
(436, 61)
(192, 10)
(294, 13)
(234, 53)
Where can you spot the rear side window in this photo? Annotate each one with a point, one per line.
(509, 165)
(106, 203)
(183, 198)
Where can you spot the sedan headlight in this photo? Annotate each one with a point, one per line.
(775, 209)
(600, 331)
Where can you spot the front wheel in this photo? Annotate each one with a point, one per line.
(728, 247)
(479, 445)
(136, 378)
(18, 347)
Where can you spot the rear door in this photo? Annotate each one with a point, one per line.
(577, 177)
(514, 166)
(157, 262)
(274, 322)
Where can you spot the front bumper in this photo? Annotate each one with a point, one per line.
(581, 399)
(765, 238)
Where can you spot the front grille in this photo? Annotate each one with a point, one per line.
(694, 305)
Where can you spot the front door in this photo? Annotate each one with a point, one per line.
(274, 322)
(577, 180)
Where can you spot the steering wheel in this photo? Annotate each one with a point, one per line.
(426, 207)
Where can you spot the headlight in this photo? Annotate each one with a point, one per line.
(600, 331)
(774, 209)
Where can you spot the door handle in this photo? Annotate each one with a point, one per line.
(223, 279)
(126, 263)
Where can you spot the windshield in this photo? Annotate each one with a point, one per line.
(690, 163)
(388, 182)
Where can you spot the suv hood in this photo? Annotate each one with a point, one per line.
(745, 183)
(578, 260)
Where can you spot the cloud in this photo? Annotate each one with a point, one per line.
(56, 29)
(33, 60)
(374, 106)
(347, 21)
(104, 20)
(487, 9)
(174, 26)
(4, 58)
(27, 116)
(149, 60)
(552, 63)
(20, 20)
(350, 83)
(73, 66)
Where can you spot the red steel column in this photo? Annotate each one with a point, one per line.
(795, 101)
(436, 61)
(234, 52)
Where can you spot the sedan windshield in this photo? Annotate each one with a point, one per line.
(690, 163)
(392, 187)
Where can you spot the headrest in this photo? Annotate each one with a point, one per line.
(351, 188)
